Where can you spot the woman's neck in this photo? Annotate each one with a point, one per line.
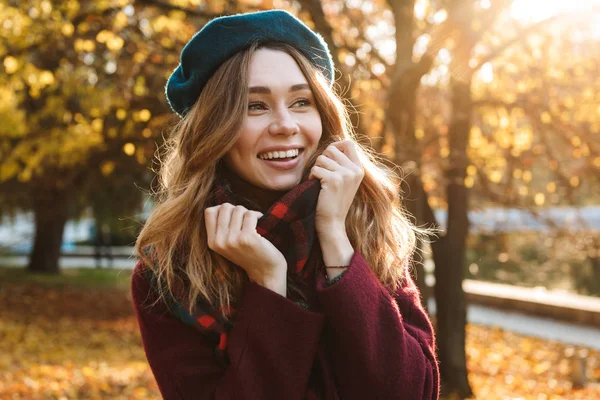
(262, 198)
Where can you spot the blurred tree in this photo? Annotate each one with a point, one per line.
(419, 110)
(473, 37)
(84, 86)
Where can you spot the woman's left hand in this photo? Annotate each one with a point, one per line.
(340, 171)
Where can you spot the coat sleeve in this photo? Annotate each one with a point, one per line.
(382, 347)
(271, 348)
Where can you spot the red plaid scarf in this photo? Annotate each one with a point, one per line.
(289, 224)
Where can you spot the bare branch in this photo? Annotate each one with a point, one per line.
(490, 15)
(361, 35)
(491, 102)
(499, 198)
(519, 36)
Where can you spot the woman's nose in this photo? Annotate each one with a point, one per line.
(283, 124)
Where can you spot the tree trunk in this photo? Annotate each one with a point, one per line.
(51, 214)
(400, 115)
(413, 199)
(449, 271)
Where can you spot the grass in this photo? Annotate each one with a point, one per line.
(80, 278)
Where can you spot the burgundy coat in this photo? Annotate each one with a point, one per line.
(355, 342)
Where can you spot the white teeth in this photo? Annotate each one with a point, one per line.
(279, 154)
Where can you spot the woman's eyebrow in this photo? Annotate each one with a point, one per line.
(266, 90)
(301, 86)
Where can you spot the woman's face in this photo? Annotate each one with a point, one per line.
(282, 126)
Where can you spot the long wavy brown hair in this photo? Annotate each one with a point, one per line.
(173, 240)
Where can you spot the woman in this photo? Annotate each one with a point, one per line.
(275, 265)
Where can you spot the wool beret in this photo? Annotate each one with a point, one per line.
(222, 37)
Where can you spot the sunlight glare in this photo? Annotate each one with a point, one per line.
(538, 10)
(421, 9)
(387, 49)
(485, 4)
(353, 3)
(421, 45)
(440, 16)
(444, 56)
(486, 73)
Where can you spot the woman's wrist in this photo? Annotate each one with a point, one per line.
(277, 281)
(276, 285)
(337, 252)
(333, 273)
(330, 229)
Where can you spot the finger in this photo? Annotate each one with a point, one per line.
(326, 162)
(237, 217)
(321, 173)
(349, 148)
(250, 221)
(210, 220)
(340, 157)
(223, 220)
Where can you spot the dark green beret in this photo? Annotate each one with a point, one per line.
(222, 37)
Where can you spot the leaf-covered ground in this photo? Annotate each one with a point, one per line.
(76, 337)
(68, 339)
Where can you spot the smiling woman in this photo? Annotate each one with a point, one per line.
(276, 262)
(282, 128)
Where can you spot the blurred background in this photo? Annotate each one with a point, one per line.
(489, 109)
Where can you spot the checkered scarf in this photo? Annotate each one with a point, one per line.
(289, 224)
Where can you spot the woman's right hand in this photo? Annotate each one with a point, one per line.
(231, 232)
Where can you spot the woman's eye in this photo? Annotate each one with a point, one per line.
(303, 102)
(256, 106)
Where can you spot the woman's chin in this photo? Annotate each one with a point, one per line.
(280, 184)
